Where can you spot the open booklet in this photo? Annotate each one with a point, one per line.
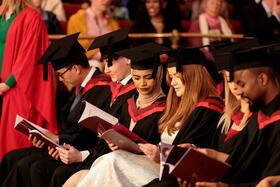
(109, 128)
(190, 165)
(26, 127)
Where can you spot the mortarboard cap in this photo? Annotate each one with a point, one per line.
(62, 53)
(144, 56)
(192, 55)
(185, 56)
(111, 42)
(262, 56)
(223, 54)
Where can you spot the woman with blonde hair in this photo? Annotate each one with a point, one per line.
(235, 116)
(23, 39)
(236, 113)
(191, 115)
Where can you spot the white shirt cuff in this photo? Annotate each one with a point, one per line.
(84, 154)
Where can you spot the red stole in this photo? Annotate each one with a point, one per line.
(211, 103)
(236, 117)
(264, 120)
(138, 114)
(31, 97)
(97, 80)
(118, 89)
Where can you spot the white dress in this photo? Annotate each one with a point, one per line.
(121, 168)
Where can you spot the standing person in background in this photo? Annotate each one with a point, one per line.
(24, 38)
(49, 19)
(56, 7)
(209, 21)
(93, 21)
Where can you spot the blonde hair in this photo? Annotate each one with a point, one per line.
(223, 10)
(17, 4)
(231, 105)
(198, 86)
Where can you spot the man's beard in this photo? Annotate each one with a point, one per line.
(254, 106)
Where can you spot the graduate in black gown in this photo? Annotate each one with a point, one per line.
(195, 101)
(255, 151)
(71, 66)
(141, 112)
(236, 113)
(121, 88)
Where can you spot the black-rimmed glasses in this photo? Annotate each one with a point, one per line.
(61, 74)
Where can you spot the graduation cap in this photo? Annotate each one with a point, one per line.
(185, 56)
(111, 42)
(192, 55)
(144, 56)
(223, 55)
(261, 56)
(63, 53)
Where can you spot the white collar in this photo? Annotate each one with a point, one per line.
(267, 9)
(125, 80)
(88, 77)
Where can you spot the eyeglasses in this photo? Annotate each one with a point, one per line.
(61, 74)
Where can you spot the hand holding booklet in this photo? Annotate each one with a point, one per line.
(26, 127)
(109, 128)
(189, 164)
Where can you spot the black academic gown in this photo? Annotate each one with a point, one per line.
(146, 124)
(146, 127)
(118, 96)
(198, 129)
(221, 140)
(255, 152)
(97, 92)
